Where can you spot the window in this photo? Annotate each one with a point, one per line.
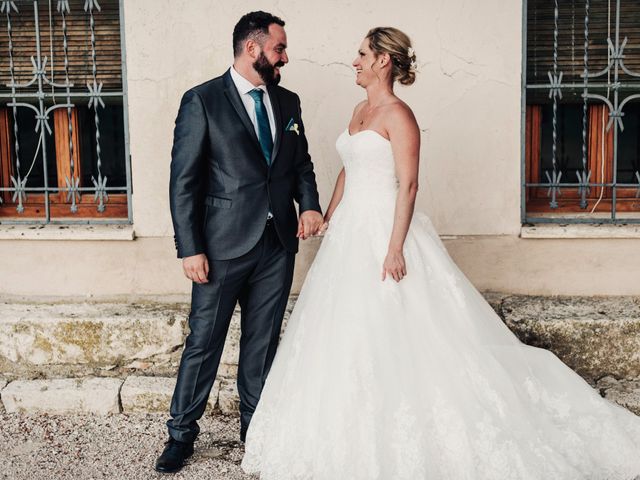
(582, 120)
(63, 148)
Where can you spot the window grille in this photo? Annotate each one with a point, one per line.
(582, 112)
(64, 153)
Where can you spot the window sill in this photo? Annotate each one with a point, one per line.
(580, 231)
(67, 232)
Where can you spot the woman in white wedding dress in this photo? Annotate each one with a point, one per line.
(393, 366)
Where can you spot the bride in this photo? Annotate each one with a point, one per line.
(393, 366)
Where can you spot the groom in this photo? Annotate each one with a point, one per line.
(239, 161)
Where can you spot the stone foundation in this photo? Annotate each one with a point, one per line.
(116, 357)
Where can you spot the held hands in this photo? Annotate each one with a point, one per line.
(196, 268)
(323, 228)
(394, 266)
(309, 224)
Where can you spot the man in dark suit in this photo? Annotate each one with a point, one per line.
(239, 160)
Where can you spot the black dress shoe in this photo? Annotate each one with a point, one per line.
(173, 456)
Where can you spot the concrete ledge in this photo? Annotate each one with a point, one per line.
(580, 231)
(596, 337)
(153, 394)
(140, 394)
(63, 396)
(67, 232)
(43, 340)
(93, 334)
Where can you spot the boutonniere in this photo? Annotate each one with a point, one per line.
(292, 127)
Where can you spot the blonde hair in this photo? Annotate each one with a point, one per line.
(398, 45)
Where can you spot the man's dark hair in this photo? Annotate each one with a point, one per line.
(252, 25)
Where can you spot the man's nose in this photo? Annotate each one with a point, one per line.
(285, 57)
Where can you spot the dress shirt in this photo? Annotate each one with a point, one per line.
(244, 86)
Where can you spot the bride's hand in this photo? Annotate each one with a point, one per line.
(394, 266)
(323, 228)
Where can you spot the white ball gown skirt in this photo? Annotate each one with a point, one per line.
(419, 379)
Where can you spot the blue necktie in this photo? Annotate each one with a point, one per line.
(264, 130)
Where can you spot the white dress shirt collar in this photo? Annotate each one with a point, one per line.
(243, 85)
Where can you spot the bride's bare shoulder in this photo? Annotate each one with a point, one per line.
(398, 107)
(399, 112)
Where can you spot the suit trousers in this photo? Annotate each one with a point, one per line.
(260, 281)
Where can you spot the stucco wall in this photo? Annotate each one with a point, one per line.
(466, 98)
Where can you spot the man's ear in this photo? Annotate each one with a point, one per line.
(252, 48)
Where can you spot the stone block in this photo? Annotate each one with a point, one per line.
(92, 334)
(153, 394)
(595, 336)
(63, 396)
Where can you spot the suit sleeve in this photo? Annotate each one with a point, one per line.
(306, 192)
(185, 188)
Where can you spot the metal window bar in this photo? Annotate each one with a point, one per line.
(555, 86)
(93, 96)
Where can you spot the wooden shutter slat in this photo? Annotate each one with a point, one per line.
(108, 51)
(540, 28)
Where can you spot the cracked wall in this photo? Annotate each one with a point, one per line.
(466, 97)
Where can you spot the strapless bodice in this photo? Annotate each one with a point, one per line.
(369, 166)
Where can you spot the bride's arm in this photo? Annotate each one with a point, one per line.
(405, 142)
(336, 197)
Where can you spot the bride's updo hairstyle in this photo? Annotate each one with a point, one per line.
(398, 45)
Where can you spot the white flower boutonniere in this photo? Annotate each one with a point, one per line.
(292, 127)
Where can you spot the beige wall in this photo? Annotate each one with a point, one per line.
(503, 263)
(466, 100)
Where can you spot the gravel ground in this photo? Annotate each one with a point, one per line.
(122, 447)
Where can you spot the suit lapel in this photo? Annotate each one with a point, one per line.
(277, 120)
(233, 96)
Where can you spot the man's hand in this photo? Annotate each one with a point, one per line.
(196, 268)
(309, 224)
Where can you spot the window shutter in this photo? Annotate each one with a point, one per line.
(107, 37)
(571, 37)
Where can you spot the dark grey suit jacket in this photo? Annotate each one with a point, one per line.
(221, 187)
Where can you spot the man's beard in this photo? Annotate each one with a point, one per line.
(267, 71)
